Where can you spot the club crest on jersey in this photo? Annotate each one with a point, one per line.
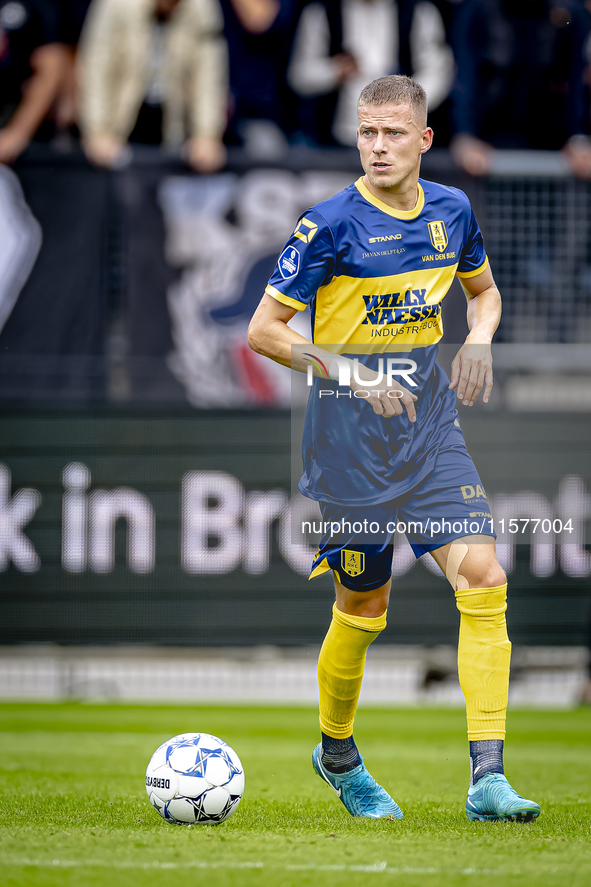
(352, 562)
(438, 235)
(305, 230)
(289, 262)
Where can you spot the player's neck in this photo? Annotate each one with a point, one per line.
(403, 197)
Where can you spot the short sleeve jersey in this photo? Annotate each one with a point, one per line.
(374, 279)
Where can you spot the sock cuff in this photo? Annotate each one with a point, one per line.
(361, 623)
(485, 734)
(482, 601)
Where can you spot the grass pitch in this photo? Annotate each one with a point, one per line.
(74, 811)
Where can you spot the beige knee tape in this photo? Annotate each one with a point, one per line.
(457, 553)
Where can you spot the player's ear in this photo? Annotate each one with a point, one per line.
(427, 137)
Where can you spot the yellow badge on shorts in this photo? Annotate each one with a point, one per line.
(352, 562)
(438, 235)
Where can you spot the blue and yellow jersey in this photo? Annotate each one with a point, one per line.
(374, 278)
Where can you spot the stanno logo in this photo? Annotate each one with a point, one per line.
(385, 238)
(305, 230)
(438, 235)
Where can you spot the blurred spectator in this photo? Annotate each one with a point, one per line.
(153, 71)
(449, 11)
(376, 34)
(72, 15)
(32, 65)
(316, 109)
(260, 34)
(519, 81)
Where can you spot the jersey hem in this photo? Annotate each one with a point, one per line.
(285, 300)
(395, 493)
(466, 274)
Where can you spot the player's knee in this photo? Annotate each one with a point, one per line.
(489, 575)
(475, 566)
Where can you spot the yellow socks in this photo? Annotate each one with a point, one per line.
(340, 669)
(484, 656)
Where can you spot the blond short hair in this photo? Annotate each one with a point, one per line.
(396, 89)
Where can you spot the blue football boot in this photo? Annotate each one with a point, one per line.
(492, 800)
(358, 790)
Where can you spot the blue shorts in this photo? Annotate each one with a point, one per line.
(448, 504)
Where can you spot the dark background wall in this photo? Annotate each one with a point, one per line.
(151, 452)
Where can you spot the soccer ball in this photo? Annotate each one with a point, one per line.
(195, 777)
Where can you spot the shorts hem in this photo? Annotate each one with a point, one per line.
(371, 586)
(320, 569)
(419, 549)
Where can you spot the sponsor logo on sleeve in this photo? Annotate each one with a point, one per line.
(305, 230)
(289, 262)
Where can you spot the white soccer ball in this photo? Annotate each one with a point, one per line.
(195, 777)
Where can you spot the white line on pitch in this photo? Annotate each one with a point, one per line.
(123, 864)
(374, 868)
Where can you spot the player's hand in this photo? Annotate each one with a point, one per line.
(471, 370)
(386, 400)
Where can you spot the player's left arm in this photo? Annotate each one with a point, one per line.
(471, 369)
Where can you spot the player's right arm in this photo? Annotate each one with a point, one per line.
(306, 264)
(270, 335)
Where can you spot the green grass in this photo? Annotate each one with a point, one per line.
(73, 809)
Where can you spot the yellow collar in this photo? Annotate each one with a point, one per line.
(405, 215)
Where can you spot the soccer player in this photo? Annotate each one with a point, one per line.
(374, 264)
